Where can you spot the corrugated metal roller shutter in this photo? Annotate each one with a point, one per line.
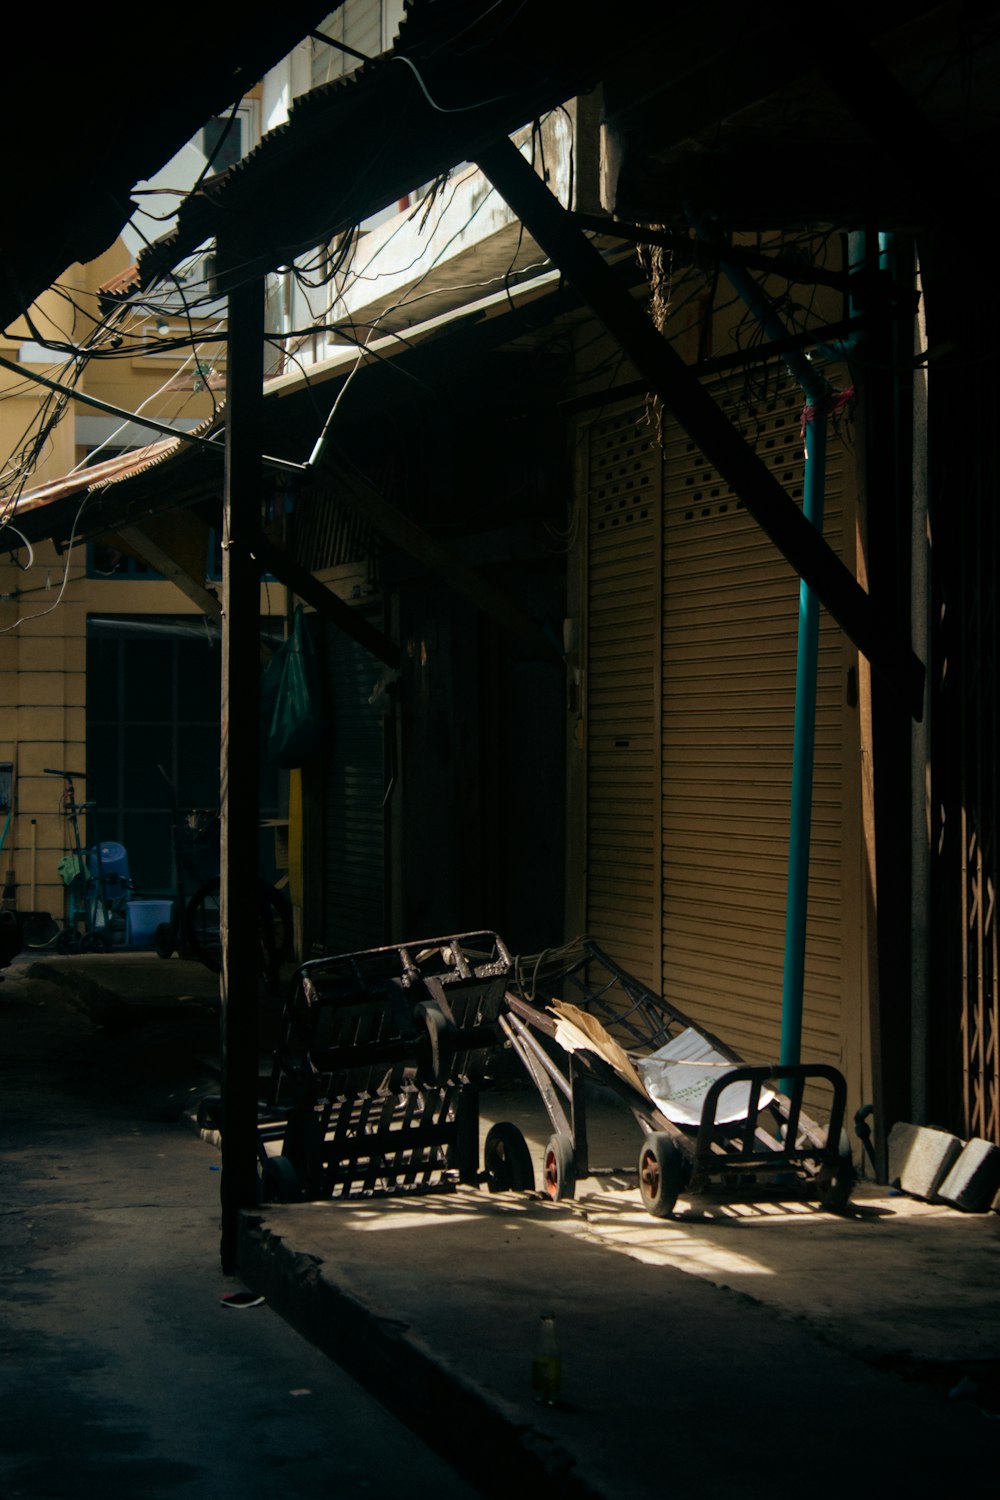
(354, 862)
(622, 704)
(730, 620)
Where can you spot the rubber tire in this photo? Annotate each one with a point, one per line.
(200, 926)
(210, 1112)
(836, 1183)
(279, 1181)
(200, 929)
(507, 1160)
(559, 1169)
(163, 940)
(662, 1171)
(95, 942)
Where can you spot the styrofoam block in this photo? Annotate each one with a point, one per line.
(975, 1177)
(920, 1158)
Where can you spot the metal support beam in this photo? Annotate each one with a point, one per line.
(240, 772)
(692, 252)
(325, 602)
(872, 631)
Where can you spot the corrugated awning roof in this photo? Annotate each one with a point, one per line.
(85, 503)
(74, 485)
(171, 473)
(449, 85)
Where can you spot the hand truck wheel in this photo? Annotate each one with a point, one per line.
(661, 1174)
(507, 1160)
(559, 1172)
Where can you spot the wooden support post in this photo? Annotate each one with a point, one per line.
(240, 772)
(886, 501)
(868, 626)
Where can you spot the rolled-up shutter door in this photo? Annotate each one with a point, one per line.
(622, 699)
(730, 618)
(353, 793)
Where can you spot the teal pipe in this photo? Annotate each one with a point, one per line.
(814, 384)
(803, 758)
(816, 390)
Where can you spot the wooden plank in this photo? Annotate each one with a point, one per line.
(162, 554)
(325, 602)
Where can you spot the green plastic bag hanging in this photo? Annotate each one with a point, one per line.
(293, 700)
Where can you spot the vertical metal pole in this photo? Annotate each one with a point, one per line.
(887, 529)
(803, 759)
(920, 742)
(815, 388)
(240, 756)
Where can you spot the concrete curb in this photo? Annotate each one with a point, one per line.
(129, 1006)
(488, 1443)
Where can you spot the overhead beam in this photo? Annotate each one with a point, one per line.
(164, 545)
(491, 601)
(693, 252)
(678, 387)
(325, 602)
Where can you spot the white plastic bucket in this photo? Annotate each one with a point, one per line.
(144, 917)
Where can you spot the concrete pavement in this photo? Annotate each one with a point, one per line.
(734, 1347)
(122, 1374)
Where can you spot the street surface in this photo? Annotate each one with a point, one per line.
(701, 1354)
(122, 1375)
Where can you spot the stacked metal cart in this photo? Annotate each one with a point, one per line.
(375, 1081)
(382, 1053)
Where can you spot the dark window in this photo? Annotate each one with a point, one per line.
(222, 142)
(152, 702)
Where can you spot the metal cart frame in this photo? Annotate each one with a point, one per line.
(374, 1085)
(775, 1140)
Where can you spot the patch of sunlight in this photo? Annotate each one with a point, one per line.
(436, 1213)
(661, 1247)
(409, 1221)
(657, 1242)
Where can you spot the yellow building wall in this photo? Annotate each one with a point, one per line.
(45, 601)
(43, 647)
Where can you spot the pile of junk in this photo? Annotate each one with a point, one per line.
(103, 910)
(382, 1055)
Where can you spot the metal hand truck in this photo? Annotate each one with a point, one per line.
(707, 1117)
